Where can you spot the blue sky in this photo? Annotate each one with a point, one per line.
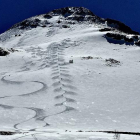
(13, 11)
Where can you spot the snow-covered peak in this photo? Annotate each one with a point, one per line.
(71, 15)
(78, 14)
(65, 18)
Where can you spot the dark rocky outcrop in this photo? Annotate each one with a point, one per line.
(121, 132)
(120, 39)
(3, 52)
(65, 26)
(30, 23)
(74, 13)
(137, 43)
(47, 16)
(115, 36)
(120, 26)
(128, 39)
(112, 62)
(6, 133)
(106, 29)
(27, 24)
(67, 11)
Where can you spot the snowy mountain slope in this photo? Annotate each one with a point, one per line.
(42, 91)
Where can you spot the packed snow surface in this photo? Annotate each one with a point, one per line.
(41, 90)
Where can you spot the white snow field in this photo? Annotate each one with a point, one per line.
(44, 95)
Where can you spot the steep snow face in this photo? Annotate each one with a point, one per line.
(68, 78)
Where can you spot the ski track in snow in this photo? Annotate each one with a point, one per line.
(44, 87)
(62, 85)
(59, 75)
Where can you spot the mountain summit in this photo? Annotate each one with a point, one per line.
(72, 15)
